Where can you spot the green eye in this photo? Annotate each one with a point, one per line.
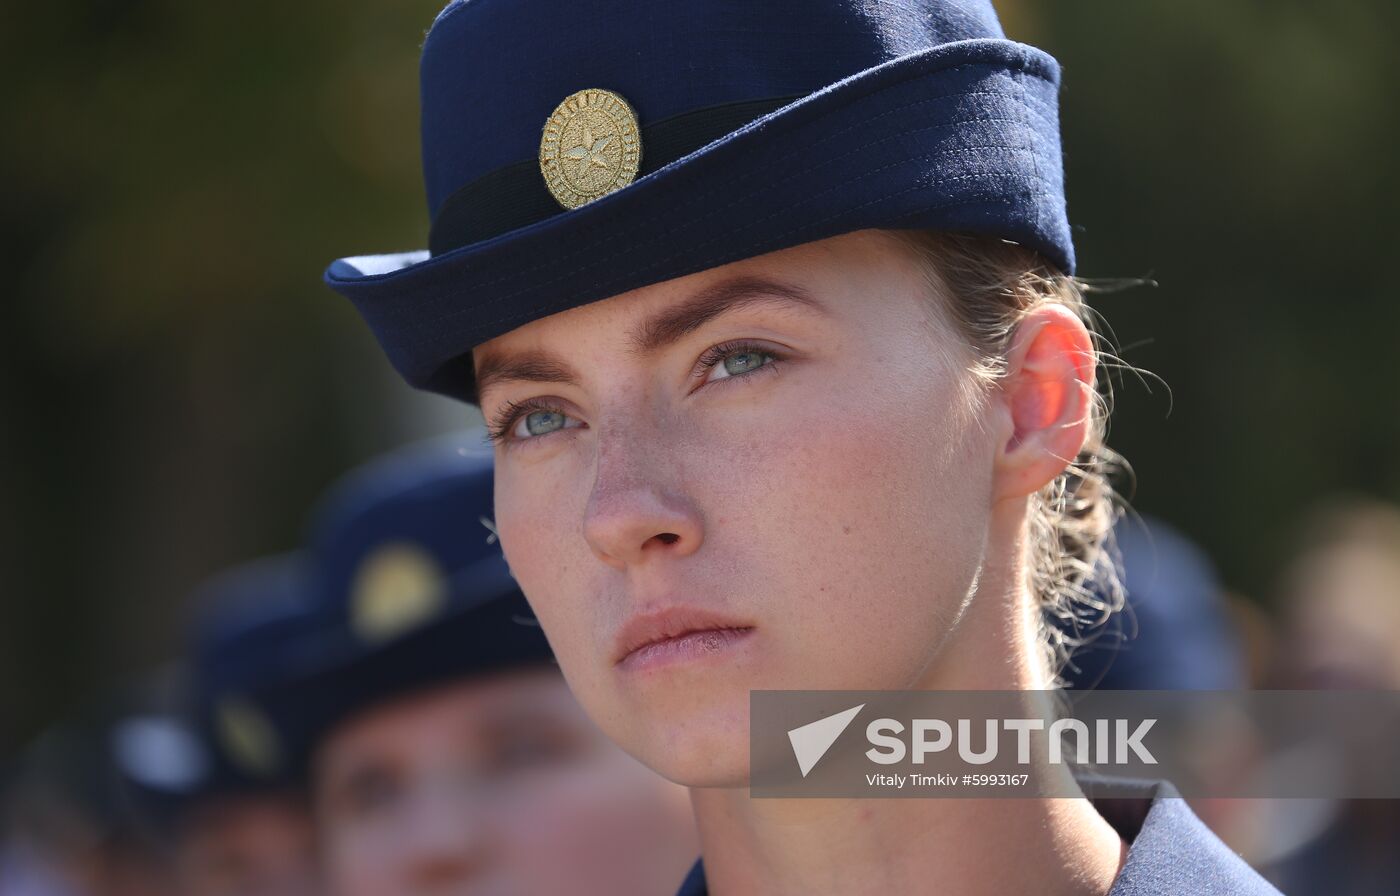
(744, 361)
(525, 421)
(540, 422)
(734, 359)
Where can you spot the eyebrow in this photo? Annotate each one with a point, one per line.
(663, 328)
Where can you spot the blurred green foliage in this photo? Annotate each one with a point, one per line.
(1242, 154)
(177, 385)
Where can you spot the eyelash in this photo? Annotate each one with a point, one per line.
(503, 421)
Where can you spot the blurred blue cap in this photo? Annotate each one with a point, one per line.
(212, 741)
(410, 590)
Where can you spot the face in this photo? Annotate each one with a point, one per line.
(770, 474)
(1344, 620)
(248, 846)
(497, 786)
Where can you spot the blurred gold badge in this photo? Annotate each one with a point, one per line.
(591, 146)
(398, 587)
(247, 737)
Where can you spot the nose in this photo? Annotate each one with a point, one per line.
(637, 510)
(444, 841)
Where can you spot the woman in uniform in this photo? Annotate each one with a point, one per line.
(770, 309)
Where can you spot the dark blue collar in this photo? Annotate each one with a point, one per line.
(1172, 852)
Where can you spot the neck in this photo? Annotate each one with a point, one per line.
(962, 846)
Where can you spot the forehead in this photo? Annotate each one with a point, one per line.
(816, 274)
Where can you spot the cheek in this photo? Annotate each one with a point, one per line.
(355, 863)
(532, 527)
(860, 522)
(541, 535)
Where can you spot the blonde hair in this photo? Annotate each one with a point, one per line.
(990, 285)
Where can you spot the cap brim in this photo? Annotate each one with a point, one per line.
(346, 678)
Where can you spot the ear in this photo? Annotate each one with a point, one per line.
(1047, 396)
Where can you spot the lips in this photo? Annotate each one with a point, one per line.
(676, 633)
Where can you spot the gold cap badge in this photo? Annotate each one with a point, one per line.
(247, 737)
(591, 146)
(398, 587)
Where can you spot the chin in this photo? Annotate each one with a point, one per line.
(700, 757)
(693, 738)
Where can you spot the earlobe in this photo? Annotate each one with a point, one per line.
(1048, 391)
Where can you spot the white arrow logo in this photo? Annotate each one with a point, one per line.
(811, 741)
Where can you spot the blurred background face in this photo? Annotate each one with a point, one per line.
(247, 846)
(799, 483)
(1342, 601)
(498, 786)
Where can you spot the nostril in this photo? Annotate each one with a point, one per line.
(668, 537)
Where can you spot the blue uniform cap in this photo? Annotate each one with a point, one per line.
(574, 151)
(211, 741)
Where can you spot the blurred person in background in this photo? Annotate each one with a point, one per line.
(207, 777)
(444, 750)
(66, 829)
(1340, 608)
(1340, 599)
(1174, 630)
